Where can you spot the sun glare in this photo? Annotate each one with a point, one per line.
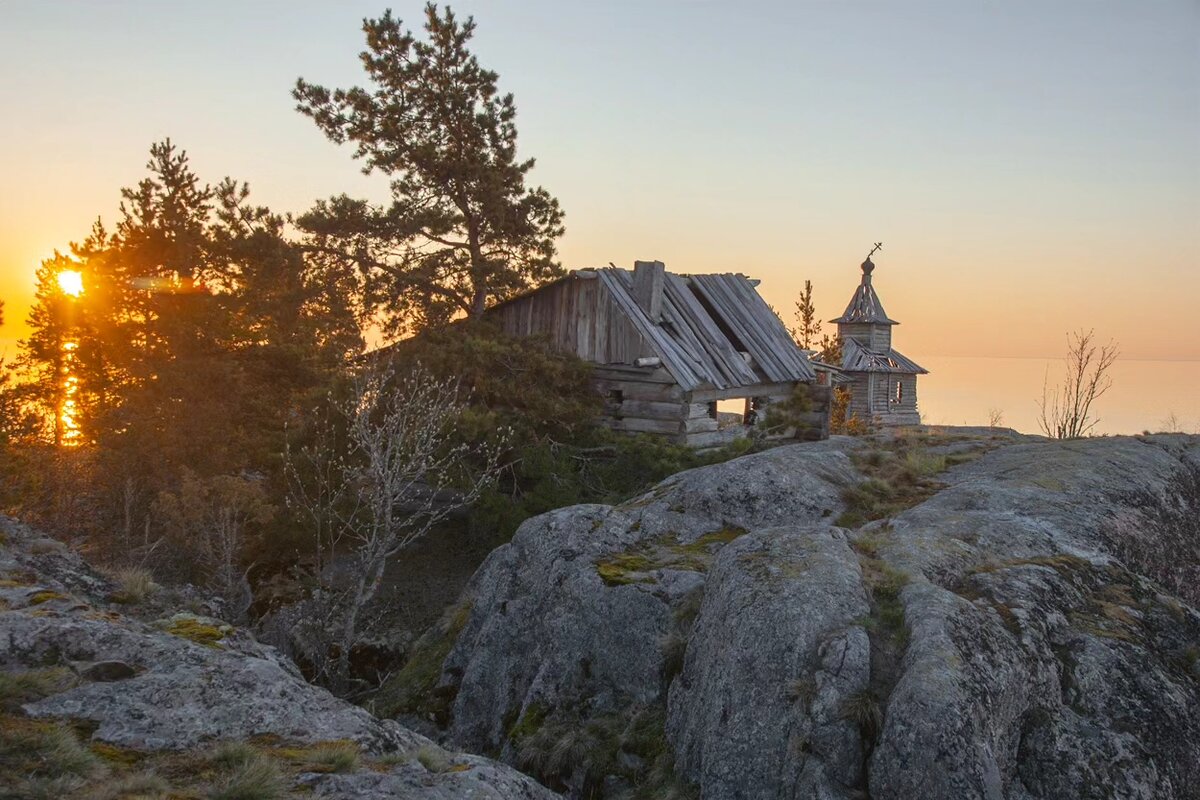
(71, 282)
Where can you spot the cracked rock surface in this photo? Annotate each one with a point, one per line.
(1025, 630)
(147, 688)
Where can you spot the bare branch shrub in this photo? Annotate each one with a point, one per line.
(383, 468)
(995, 417)
(205, 525)
(1171, 423)
(1065, 411)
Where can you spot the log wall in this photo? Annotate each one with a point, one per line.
(649, 404)
(578, 316)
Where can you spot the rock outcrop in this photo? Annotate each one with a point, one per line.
(188, 682)
(1010, 635)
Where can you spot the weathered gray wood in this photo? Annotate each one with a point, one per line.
(706, 439)
(648, 278)
(652, 409)
(621, 372)
(640, 425)
(640, 391)
(700, 424)
(761, 390)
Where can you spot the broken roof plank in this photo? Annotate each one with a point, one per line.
(761, 332)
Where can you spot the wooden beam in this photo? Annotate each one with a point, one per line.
(635, 390)
(700, 425)
(652, 409)
(757, 390)
(648, 279)
(639, 425)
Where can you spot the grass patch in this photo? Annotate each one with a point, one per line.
(134, 585)
(27, 686)
(143, 786)
(197, 630)
(529, 722)
(40, 759)
(666, 552)
(437, 760)
(888, 632)
(231, 755)
(900, 474)
(116, 756)
(621, 569)
(802, 690)
(45, 596)
(412, 689)
(631, 746)
(337, 757)
(674, 646)
(1061, 563)
(865, 711)
(16, 580)
(256, 779)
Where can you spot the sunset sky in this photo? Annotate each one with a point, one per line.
(1031, 167)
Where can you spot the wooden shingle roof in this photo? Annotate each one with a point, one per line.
(856, 358)
(708, 322)
(864, 305)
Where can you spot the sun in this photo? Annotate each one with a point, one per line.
(71, 282)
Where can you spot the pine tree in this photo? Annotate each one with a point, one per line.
(809, 326)
(463, 228)
(199, 329)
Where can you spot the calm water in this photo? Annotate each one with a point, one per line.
(961, 391)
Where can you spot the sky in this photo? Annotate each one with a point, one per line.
(1030, 167)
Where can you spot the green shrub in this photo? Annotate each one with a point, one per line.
(411, 690)
(567, 745)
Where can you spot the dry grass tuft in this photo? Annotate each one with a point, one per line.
(143, 786)
(19, 688)
(134, 584)
(336, 757)
(256, 779)
(863, 710)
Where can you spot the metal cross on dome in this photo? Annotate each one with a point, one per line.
(878, 246)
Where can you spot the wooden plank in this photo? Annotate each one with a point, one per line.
(758, 390)
(648, 279)
(723, 365)
(639, 425)
(640, 391)
(652, 409)
(707, 438)
(700, 425)
(677, 362)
